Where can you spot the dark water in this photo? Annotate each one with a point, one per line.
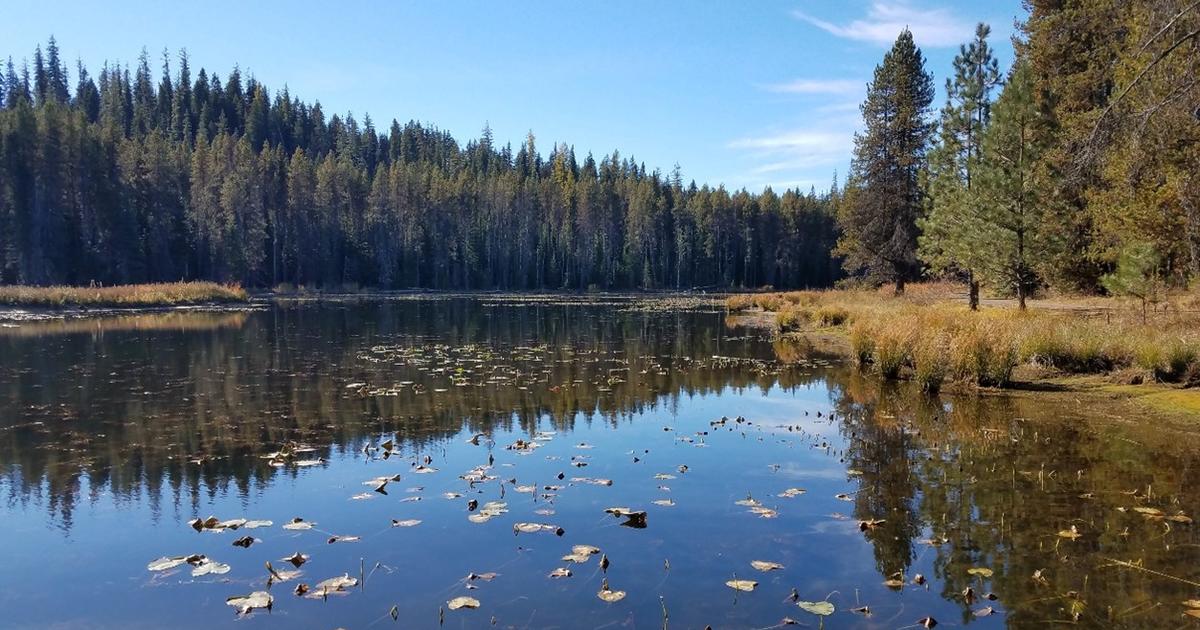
(116, 432)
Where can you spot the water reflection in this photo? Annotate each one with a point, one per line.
(150, 420)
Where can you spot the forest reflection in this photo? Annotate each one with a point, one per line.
(178, 408)
(190, 403)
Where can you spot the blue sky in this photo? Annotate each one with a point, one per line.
(747, 94)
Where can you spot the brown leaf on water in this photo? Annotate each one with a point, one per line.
(741, 585)
(462, 602)
(1070, 534)
(984, 612)
(297, 559)
(764, 566)
(664, 502)
(791, 493)
(870, 525)
(561, 572)
(337, 539)
(411, 522)
(299, 524)
(983, 572)
(927, 622)
(245, 542)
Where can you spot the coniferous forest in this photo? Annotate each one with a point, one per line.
(125, 178)
(1049, 173)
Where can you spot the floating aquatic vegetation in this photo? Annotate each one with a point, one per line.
(533, 528)
(214, 524)
(821, 609)
(338, 585)
(165, 563)
(791, 492)
(410, 522)
(741, 585)
(462, 602)
(280, 575)
(299, 524)
(560, 572)
(764, 566)
(297, 559)
(247, 603)
(207, 566)
(490, 510)
(609, 595)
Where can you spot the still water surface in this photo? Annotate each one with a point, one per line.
(115, 432)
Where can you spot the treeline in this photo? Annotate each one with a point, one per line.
(122, 178)
(1075, 169)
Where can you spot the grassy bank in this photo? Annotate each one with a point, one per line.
(930, 336)
(130, 295)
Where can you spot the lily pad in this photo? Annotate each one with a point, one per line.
(821, 609)
(609, 595)
(246, 603)
(462, 602)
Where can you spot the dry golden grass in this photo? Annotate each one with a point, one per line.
(929, 334)
(130, 295)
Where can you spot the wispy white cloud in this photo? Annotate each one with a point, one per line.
(818, 86)
(885, 20)
(796, 150)
(794, 157)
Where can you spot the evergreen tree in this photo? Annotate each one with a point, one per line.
(1011, 207)
(946, 241)
(879, 217)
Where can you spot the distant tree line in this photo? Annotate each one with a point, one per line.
(121, 178)
(1080, 160)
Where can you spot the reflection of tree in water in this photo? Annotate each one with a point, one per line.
(998, 477)
(185, 413)
(880, 448)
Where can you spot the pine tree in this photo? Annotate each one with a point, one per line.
(946, 240)
(885, 196)
(1011, 206)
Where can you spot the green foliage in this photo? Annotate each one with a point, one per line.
(884, 196)
(1137, 275)
(137, 180)
(947, 240)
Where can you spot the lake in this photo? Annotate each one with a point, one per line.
(438, 448)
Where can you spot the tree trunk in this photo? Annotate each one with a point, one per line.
(972, 291)
(899, 286)
(1021, 295)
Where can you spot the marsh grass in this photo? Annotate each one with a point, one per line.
(930, 336)
(130, 295)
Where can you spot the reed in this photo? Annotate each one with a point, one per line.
(930, 336)
(129, 295)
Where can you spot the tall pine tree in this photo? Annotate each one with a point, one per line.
(884, 195)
